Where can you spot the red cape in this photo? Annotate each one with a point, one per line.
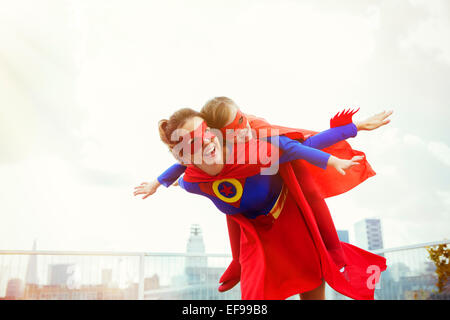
(362, 269)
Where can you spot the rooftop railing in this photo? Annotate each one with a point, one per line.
(67, 275)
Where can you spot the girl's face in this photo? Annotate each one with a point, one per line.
(240, 127)
(203, 147)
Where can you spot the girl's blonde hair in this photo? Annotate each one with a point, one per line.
(217, 111)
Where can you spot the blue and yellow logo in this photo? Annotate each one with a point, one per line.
(228, 190)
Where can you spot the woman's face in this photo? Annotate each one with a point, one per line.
(203, 147)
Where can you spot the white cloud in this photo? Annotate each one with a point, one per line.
(413, 140)
(445, 198)
(387, 170)
(441, 151)
(432, 33)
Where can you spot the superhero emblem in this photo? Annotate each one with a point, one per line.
(228, 190)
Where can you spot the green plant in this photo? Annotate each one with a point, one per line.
(440, 255)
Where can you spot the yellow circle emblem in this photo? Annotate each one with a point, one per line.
(228, 190)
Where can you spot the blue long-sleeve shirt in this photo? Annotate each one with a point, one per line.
(320, 140)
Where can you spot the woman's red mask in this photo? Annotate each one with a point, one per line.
(197, 136)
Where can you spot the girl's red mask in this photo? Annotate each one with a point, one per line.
(239, 123)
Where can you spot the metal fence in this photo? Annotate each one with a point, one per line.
(138, 275)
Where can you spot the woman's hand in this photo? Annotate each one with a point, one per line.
(147, 188)
(341, 165)
(375, 121)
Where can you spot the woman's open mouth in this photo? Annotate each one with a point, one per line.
(210, 150)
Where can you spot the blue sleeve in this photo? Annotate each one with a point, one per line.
(331, 136)
(294, 150)
(171, 175)
(188, 186)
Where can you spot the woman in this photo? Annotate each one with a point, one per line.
(223, 113)
(261, 201)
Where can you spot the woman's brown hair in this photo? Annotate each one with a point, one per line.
(217, 112)
(176, 120)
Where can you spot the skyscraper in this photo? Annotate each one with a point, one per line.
(195, 264)
(343, 235)
(368, 234)
(195, 243)
(32, 273)
(60, 274)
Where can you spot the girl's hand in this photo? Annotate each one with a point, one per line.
(147, 188)
(341, 165)
(375, 121)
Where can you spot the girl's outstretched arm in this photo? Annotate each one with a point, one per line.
(333, 135)
(294, 150)
(375, 121)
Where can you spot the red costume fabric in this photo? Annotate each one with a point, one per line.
(291, 257)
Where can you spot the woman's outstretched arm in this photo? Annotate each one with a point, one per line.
(168, 177)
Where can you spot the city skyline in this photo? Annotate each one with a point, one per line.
(410, 275)
(197, 278)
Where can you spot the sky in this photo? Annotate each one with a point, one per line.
(84, 84)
